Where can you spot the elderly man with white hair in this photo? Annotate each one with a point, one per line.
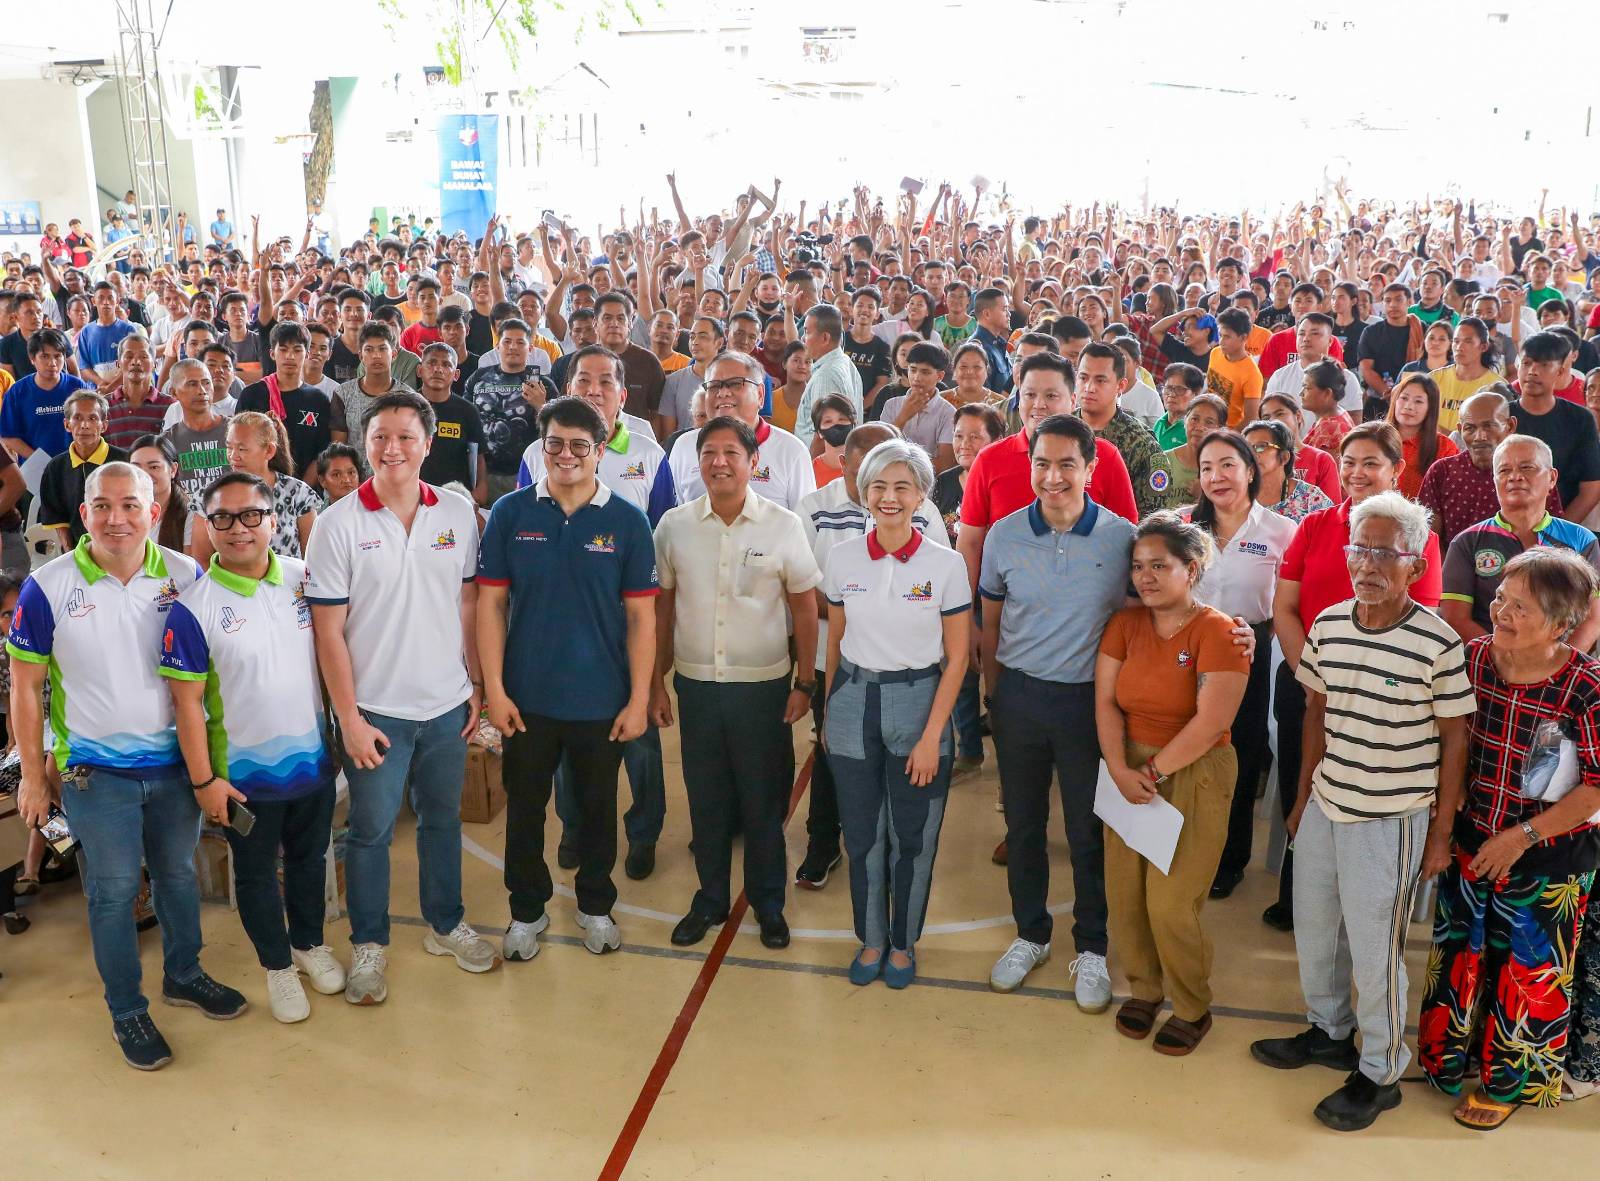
(92, 620)
(1387, 702)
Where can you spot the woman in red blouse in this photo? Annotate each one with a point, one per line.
(1414, 412)
(1504, 981)
(1313, 577)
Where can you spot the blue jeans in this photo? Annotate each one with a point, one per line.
(432, 757)
(123, 817)
(642, 822)
(969, 739)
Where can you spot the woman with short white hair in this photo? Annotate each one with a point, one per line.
(897, 651)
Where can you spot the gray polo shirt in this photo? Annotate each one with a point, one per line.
(1059, 589)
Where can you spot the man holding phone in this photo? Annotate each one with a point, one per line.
(92, 621)
(238, 645)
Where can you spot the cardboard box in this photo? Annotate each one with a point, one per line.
(483, 793)
(13, 833)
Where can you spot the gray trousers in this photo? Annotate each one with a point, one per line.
(1354, 886)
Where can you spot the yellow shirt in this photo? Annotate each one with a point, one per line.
(1234, 382)
(674, 362)
(1454, 390)
(783, 414)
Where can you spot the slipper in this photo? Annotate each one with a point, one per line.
(1179, 1037)
(1480, 1104)
(1137, 1018)
(26, 887)
(1572, 1089)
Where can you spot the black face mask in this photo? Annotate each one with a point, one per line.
(834, 436)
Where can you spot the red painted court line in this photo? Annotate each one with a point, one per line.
(633, 1127)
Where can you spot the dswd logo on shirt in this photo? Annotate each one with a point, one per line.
(445, 539)
(602, 543)
(920, 592)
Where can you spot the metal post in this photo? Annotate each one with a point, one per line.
(144, 122)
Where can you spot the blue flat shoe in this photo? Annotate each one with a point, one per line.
(861, 973)
(899, 977)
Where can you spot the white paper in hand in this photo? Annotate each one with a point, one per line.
(1151, 830)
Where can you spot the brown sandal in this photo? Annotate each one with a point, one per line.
(1492, 1112)
(1137, 1018)
(1179, 1037)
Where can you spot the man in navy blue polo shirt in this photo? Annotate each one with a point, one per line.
(565, 561)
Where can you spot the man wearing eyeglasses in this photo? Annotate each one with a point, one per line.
(238, 644)
(632, 466)
(566, 633)
(782, 471)
(1381, 776)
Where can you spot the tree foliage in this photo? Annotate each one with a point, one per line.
(458, 23)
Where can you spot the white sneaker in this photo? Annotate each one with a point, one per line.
(521, 941)
(472, 952)
(600, 934)
(1011, 969)
(366, 985)
(1092, 990)
(325, 973)
(286, 996)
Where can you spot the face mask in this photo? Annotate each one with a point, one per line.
(835, 435)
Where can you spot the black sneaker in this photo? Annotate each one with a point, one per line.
(1279, 917)
(216, 1001)
(819, 863)
(1226, 882)
(567, 856)
(1310, 1047)
(143, 1047)
(1357, 1104)
(641, 861)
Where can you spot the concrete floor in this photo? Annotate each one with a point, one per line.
(785, 1070)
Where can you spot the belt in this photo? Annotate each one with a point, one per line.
(898, 676)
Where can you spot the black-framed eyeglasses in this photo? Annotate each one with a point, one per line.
(249, 518)
(578, 447)
(728, 385)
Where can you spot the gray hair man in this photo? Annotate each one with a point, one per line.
(92, 620)
(1387, 701)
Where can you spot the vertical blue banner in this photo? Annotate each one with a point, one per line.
(469, 165)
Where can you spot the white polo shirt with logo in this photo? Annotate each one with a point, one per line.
(404, 594)
(895, 602)
(1243, 577)
(100, 638)
(831, 518)
(783, 473)
(250, 641)
(628, 463)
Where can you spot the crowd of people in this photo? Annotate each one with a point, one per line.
(1118, 490)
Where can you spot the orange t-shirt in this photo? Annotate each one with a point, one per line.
(1257, 340)
(1157, 686)
(825, 472)
(1234, 382)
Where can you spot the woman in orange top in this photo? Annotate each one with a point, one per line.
(833, 418)
(1167, 684)
(786, 398)
(1414, 412)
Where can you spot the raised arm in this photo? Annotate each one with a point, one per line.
(684, 223)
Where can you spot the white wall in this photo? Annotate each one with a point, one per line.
(47, 156)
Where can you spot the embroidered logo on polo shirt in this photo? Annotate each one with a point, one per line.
(529, 535)
(1159, 479)
(446, 539)
(77, 606)
(762, 475)
(634, 471)
(1184, 658)
(448, 430)
(920, 592)
(375, 543)
(602, 543)
(167, 595)
(1257, 548)
(302, 607)
(1488, 562)
(230, 622)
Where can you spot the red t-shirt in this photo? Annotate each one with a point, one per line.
(418, 336)
(1000, 482)
(1315, 559)
(1316, 466)
(1282, 348)
(1572, 392)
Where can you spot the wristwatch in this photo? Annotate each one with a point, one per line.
(806, 687)
(1531, 833)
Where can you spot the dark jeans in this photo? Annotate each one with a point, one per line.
(531, 758)
(643, 820)
(1289, 707)
(301, 828)
(734, 741)
(822, 822)
(1250, 745)
(1042, 727)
